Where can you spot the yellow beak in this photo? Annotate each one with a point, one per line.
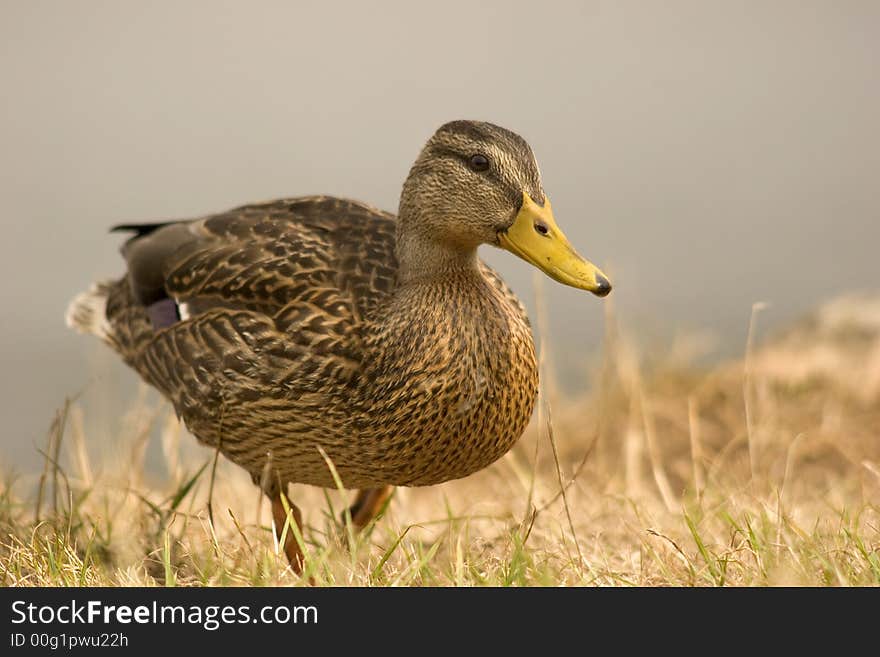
(535, 237)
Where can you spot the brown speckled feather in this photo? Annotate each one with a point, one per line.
(295, 334)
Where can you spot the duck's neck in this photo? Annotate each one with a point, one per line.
(424, 257)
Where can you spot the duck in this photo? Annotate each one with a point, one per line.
(319, 340)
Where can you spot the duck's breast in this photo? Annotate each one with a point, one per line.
(452, 388)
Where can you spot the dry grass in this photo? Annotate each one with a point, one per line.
(757, 472)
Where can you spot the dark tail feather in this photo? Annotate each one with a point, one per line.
(139, 229)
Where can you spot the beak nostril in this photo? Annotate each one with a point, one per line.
(541, 228)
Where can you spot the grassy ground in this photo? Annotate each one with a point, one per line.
(761, 471)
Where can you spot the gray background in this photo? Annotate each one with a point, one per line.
(707, 154)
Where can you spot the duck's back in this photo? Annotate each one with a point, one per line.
(275, 258)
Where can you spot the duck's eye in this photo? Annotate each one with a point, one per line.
(478, 162)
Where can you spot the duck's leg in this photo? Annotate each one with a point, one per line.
(367, 505)
(291, 546)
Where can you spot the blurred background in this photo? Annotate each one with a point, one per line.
(708, 155)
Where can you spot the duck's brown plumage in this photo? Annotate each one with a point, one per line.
(296, 340)
(290, 330)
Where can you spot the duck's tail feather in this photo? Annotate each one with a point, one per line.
(87, 312)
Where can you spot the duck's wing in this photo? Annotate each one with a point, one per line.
(262, 257)
(260, 301)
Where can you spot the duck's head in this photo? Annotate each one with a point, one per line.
(476, 183)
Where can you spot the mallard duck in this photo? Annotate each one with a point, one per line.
(303, 332)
